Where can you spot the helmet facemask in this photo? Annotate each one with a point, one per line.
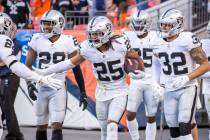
(140, 26)
(47, 27)
(95, 38)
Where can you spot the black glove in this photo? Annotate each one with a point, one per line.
(83, 100)
(31, 91)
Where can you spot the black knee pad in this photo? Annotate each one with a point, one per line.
(41, 135)
(174, 132)
(57, 134)
(184, 129)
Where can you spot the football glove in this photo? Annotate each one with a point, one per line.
(137, 75)
(32, 91)
(158, 92)
(83, 101)
(51, 82)
(180, 81)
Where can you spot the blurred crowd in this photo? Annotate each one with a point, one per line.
(26, 13)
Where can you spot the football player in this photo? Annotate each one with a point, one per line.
(7, 29)
(107, 54)
(140, 90)
(177, 53)
(206, 76)
(47, 48)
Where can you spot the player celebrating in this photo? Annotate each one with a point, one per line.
(177, 54)
(140, 90)
(107, 55)
(206, 76)
(50, 47)
(7, 29)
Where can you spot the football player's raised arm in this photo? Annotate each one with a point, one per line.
(64, 65)
(200, 58)
(20, 69)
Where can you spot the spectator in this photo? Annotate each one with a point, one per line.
(98, 8)
(39, 7)
(54, 4)
(79, 11)
(16, 9)
(142, 4)
(122, 14)
(111, 11)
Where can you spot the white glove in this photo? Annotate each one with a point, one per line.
(51, 82)
(180, 81)
(158, 92)
(137, 75)
(40, 71)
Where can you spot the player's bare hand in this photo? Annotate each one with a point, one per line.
(137, 74)
(51, 82)
(32, 91)
(180, 81)
(83, 101)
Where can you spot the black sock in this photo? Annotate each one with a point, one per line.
(41, 135)
(57, 134)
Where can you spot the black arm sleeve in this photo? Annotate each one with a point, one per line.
(79, 78)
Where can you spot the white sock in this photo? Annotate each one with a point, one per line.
(186, 137)
(112, 131)
(151, 131)
(103, 125)
(175, 138)
(133, 129)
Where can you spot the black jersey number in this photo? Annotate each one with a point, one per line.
(176, 65)
(146, 55)
(8, 43)
(45, 58)
(103, 71)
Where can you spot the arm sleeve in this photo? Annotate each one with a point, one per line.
(59, 67)
(79, 78)
(156, 70)
(20, 69)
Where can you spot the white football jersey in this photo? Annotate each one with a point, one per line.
(206, 82)
(175, 58)
(6, 45)
(108, 67)
(49, 53)
(142, 46)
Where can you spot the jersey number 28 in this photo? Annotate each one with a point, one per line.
(45, 58)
